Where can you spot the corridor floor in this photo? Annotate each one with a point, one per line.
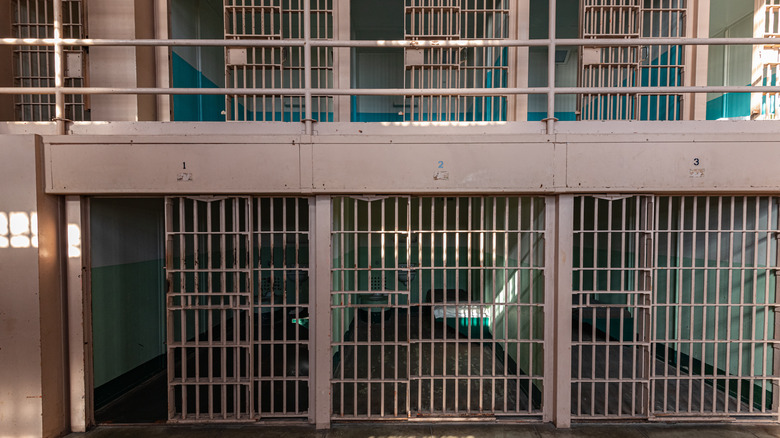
(374, 430)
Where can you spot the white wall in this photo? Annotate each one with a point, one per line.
(112, 66)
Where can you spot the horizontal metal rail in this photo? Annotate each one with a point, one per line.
(588, 42)
(309, 43)
(394, 91)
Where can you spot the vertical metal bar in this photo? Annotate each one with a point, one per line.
(752, 335)
(729, 308)
(284, 234)
(457, 287)
(743, 267)
(59, 69)
(718, 343)
(504, 303)
(307, 66)
(550, 125)
(692, 300)
(482, 250)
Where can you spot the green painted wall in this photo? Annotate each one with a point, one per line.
(128, 284)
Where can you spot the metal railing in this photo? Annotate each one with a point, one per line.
(60, 90)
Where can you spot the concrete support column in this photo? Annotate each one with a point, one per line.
(342, 58)
(7, 112)
(319, 347)
(519, 28)
(550, 244)
(162, 59)
(112, 66)
(697, 58)
(564, 238)
(79, 359)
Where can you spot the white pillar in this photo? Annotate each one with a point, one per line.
(564, 238)
(78, 316)
(320, 350)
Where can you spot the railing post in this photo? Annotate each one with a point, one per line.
(551, 68)
(307, 100)
(59, 69)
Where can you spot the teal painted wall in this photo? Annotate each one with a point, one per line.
(128, 284)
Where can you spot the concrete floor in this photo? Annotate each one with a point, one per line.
(439, 431)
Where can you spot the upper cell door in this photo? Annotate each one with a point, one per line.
(635, 65)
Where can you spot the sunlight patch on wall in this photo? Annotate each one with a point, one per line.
(74, 241)
(18, 229)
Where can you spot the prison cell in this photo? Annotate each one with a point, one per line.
(715, 303)
(438, 307)
(630, 66)
(466, 67)
(34, 65)
(674, 308)
(237, 303)
(276, 67)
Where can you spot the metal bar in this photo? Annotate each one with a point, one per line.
(551, 26)
(393, 91)
(459, 43)
(59, 69)
(307, 66)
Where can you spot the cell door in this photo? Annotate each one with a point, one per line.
(478, 307)
(611, 307)
(209, 309)
(276, 67)
(631, 66)
(370, 241)
(434, 67)
(715, 327)
(455, 67)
